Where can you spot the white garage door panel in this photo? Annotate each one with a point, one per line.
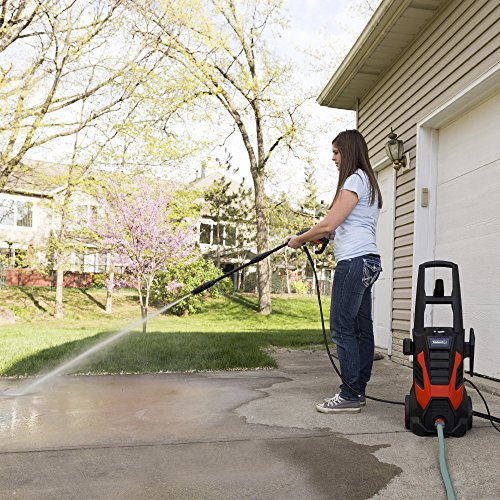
(484, 320)
(469, 207)
(479, 275)
(470, 142)
(468, 224)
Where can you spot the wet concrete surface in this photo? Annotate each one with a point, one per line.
(229, 435)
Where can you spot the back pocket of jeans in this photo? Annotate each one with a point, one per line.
(371, 271)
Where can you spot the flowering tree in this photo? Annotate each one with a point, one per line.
(137, 227)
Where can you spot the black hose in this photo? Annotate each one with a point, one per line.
(318, 293)
(489, 416)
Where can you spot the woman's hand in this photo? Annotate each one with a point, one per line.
(295, 242)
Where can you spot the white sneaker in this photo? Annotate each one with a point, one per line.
(362, 400)
(339, 405)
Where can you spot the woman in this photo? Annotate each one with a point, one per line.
(352, 218)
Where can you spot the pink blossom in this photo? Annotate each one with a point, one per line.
(173, 286)
(136, 226)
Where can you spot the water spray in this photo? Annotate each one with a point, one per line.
(101, 345)
(137, 324)
(438, 421)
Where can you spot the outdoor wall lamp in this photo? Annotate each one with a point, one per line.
(394, 148)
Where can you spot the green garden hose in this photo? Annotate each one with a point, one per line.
(439, 424)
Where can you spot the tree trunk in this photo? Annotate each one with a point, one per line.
(144, 315)
(287, 273)
(263, 267)
(59, 312)
(217, 235)
(109, 293)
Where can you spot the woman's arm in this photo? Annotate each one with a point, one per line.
(336, 215)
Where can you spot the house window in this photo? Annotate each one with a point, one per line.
(220, 239)
(208, 234)
(24, 214)
(16, 213)
(230, 240)
(92, 262)
(7, 212)
(100, 263)
(86, 214)
(205, 230)
(77, 264)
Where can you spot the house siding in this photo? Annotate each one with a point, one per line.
(458, 46)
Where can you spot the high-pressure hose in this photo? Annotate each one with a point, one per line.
(325, 340)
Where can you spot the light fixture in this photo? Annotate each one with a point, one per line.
(394, 148)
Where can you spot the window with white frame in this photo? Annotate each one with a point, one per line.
(205, 233)
(86, 214)
(16, 212)
(208, 234)
(93, 262)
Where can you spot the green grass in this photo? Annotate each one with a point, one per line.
(227, 334)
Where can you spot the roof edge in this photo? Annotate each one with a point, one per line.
(386, 15)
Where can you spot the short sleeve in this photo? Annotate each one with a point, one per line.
(355, 183)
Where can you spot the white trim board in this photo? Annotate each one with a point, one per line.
(424, 235)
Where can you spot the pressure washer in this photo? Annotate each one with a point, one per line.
(438, 392)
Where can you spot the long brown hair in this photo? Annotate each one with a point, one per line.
(353, 155)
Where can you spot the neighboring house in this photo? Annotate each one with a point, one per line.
(235, 239)
(24, 214)
(431, 72)
(27, 215)
(207, 226)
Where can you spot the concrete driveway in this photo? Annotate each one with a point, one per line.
(231, 435)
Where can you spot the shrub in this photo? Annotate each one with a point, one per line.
(299, 287)
(98, 280)
(180, 279)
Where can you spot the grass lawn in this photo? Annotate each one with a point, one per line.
(227, 334)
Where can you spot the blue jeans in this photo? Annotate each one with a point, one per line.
(351, 324)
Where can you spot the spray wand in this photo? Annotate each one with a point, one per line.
(204, 286)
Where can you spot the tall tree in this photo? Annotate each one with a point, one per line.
(55, 56)
(219, 201)
(223, 45)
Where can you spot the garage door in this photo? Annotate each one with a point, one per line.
(468, 224)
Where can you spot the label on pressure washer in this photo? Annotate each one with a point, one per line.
(439, 342)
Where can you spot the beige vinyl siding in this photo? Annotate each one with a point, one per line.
(460, 44)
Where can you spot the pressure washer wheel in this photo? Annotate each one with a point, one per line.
(407, 411)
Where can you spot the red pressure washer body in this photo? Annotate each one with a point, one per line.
(438, 390)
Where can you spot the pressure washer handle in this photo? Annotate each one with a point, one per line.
(422, 299)
(323, 241)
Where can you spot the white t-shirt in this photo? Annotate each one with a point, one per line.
(357, 234)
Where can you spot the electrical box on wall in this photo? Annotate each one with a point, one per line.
(424, 199)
